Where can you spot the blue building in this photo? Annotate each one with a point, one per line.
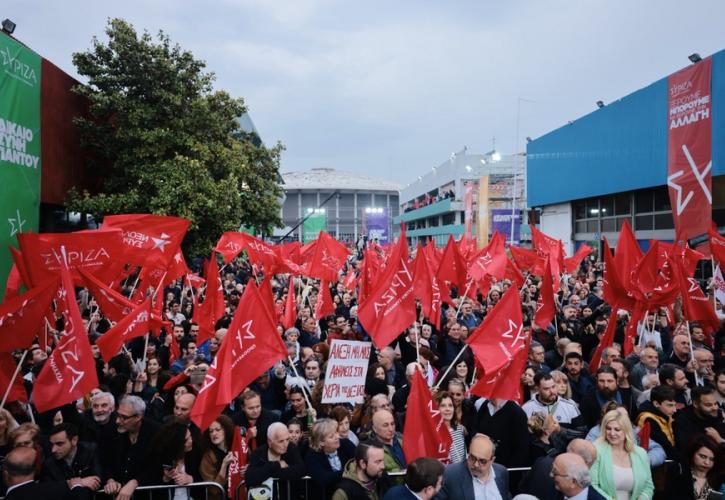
(592, 174)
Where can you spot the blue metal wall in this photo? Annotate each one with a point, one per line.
(620, 147)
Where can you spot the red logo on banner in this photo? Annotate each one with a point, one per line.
(689, 150)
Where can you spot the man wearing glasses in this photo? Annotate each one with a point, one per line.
(571, 477)
(478, 477)
(126, 449)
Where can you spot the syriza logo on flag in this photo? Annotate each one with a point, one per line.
(149, 240)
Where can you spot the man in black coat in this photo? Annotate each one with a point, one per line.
(253, 419)
(278, 458)
(505, 423)
(19, 475)
(72, 458)
(703, 417)
(539, 483)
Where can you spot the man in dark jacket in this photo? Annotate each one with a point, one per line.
(277, 459)
(505, 423)
(19, 475)
(72, 458)
(658, 412)
(703, 417)
(364, 477)
(253, 419)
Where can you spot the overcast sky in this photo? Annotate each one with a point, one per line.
(391, 89)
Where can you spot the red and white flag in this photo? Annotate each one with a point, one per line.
(424, 434)
(135, 324)
(22, 317)
(240, 453)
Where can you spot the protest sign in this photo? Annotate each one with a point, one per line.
(347, 367)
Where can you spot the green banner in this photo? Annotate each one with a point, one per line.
(316, 222)
(19, 146)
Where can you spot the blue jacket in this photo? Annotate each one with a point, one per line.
(458, 482)
(400, 492)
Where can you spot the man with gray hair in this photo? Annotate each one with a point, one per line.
(539, 481)
(124, 451)
(571, 477)
(278, 458)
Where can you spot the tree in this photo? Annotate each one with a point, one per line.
(162, 140)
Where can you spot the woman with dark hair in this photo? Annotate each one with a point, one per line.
(173, 459)
(457, 453)
(216, 443)
(151, 381)
(699, 474)
(342, 416)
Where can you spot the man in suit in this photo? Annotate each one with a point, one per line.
(572, 479)
(19, 475)
(540, 483)
(423, 480)
(478, 477)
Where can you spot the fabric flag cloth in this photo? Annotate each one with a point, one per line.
(496, 341)
(389, 308)
(644, 435)
(113, 305)
(628, 253)
(606, 341)
(426, 288)
(69, 373)
(20, 265)
(290, 306)
(135, 324)
(545, 306)
(240, 452)
(13, 283)
(546, 246)
(717, 245)
(491, 260)
(250, 347)
(149, 240)
(424, 433)
(7, 370)
(259, 252)
(208, 312)
(526, 260)
(689, 148)
(571, 264)
(452, 266)
(695, 304)
(504, 383)
(22, 317)
(328, 258)
(324, 306)
(99, 252)
(719, 285)
(614, 290)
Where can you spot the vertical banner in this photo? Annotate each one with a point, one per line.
(501, 221)
(19, 145)
(482, 226)
(316, 222)
(376, 224)
(468, 210)
(689, 148)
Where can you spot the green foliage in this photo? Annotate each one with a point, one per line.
(163, 141)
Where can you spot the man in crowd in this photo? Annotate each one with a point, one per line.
(606, 390)
(277, 459)
(478, 477)
(254, 420)
(572, 478)
(505, 423)
(423, 479)
(537, 357)
(658, 411)
(384, 432)
(394, 373)
(703, 417)
(19, 477)
(548, 402)
(365, 476)
(579, 380)
(539, 481)
(649, 362)
(72, 458)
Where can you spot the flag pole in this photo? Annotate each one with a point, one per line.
(12, 379)
(146, 342)
(133, 288)
(463, 297)
(714, 284)
(692, 354)
(451, 366)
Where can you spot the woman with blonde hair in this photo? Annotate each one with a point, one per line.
(563, 389)
(622, 469)
(7, 425)
(327, 457)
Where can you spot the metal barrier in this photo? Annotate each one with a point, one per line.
(170, 490)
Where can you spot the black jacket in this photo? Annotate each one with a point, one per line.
(508, 428)
(688, 425)
(56, 490)
(120, 459)
(324, 478)
(266, 418)
(85, 464)
(260, 468)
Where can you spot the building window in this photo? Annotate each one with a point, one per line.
(644, 222)
(448, 219)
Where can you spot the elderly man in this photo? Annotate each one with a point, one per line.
(539, 481)
(124, 452)
(19, 476)
(278, 458)
(572, 479)
(649, 362)
(478, 477)
(384, 431)
(394, 374)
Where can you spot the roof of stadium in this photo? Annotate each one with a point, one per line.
(329, 178)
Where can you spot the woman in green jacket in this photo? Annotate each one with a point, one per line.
(621, 470)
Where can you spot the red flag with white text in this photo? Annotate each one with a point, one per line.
(135, 324)
(424, 434)
(235, 475)
(22, 317)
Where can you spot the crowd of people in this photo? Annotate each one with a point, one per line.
(642, 426)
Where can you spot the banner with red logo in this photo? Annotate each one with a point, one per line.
(689, 148)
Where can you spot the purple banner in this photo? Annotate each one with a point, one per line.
(501, 222)
(377, 224)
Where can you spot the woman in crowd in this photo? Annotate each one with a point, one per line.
(697, 476)
(527, 381)
(28, 435)
(216, 443)
(327, 457)
(622, 468)
(7, 425)
(151, 381)
(563, 389)
(457, 453)
(342, 416)
(545, 438)
(173, 459)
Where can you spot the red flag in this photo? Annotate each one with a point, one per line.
(652, 279)
(452, 267)
(717, 246)
(113, 305)
(524, 258)
(7, 370)
(695, 304)
(614, 290)
(495, 341)
(329, 257)
(70, 371)
(390, 307)
(627, 253)
(99, 252)
(504, 383)
(250, 347)
(491, 260)
(546, 246)
(13, 283)
(424, 434)
(136, 324)
(427, 288)
(240, 451)
(514, 274)
(689, 148)
(209, 311)
(606, 341)
(149, 240)
(545, 306)
(20, 265)
(290, 306)
(22, 317)
(644, 433)
(571, 264)
(324, 306)
(259, 252)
